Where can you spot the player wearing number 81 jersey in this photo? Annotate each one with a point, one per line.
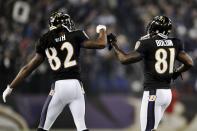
(61, 46)
(159, 53)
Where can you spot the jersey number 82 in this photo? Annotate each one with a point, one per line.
(55, 62)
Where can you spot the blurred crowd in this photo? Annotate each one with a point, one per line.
(101, 71)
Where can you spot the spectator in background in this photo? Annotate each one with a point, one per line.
(122, 17)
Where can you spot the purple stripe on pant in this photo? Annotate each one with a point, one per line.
(45, 108)
(151, 113)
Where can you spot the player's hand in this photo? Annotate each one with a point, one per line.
(99, 27)
(176, 74)
(6, 93)
(111, 40)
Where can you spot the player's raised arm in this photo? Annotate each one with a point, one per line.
(98, 43)
(23, 73)
(123, 57)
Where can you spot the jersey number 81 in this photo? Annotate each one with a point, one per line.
(161, 64)
(55, 62)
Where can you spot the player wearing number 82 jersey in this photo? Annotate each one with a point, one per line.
(159, 53)
(61, 46)
(62, 49)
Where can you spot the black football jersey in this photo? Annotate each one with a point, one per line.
(62, 50)
(159, 54)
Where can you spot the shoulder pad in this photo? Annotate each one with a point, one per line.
(173, 38)
(45, 34)
(77, 30)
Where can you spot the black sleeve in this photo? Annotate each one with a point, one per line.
(81, 37)
(140, 47)
(40, 48)
(181, 46)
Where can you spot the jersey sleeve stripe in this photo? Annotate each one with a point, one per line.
(85, 34)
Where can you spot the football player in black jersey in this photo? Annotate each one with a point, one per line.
(61, 47)
(159, 52)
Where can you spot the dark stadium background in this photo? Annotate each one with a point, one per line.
(113, 90)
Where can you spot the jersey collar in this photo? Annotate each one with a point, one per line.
(162, 35)
(147, 36)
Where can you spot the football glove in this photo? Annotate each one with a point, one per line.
(6, 93)
(111, 39)
(176, 74)
(99, 27)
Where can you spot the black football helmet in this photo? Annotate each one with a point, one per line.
(58, 19)
(160, 24)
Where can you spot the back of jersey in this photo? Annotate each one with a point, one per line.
(159, 53)
(62, 49)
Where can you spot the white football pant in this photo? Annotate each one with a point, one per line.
(154, 103)
(64, 92)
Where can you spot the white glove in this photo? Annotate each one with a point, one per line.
(6, 93)
(99, 27)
